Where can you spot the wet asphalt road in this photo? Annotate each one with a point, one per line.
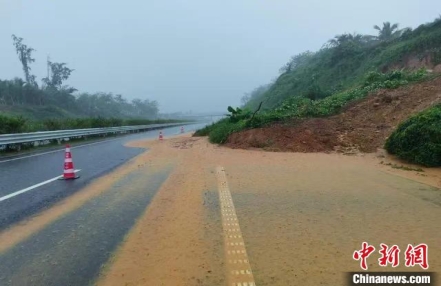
(74, 248)
(94, 160)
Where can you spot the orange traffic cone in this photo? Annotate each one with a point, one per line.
(182, 129)
(69, 172)
(160, 136)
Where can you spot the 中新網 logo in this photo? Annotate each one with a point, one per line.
(414, 255)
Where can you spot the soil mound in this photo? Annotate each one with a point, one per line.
(362, 126)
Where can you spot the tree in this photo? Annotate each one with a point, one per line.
(347, 45)
(145, 108)
(388, 32)
(296, 61)
(288, 67)
(25, 56)
(59, 73)
(349, 38)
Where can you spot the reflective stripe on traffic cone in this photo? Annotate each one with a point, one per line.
(69, 172)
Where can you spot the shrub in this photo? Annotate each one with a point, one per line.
(418, 139)
(264, 119)
(219, 134)
(238, 114)
(394, 78)
(11, 124)
(53, 124)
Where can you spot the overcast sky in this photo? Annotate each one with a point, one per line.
(199, 55)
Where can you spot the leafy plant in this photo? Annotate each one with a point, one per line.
(11, 124)
(388, 31)
(219, 134)
(418, 139)
(238, 114)
(59, 73)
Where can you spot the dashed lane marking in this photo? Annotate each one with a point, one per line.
(239, 273)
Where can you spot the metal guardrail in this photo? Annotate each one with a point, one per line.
(18, 138)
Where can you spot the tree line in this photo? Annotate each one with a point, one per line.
(53, 92)
(345, 44)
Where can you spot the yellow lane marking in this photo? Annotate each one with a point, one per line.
(239, 273)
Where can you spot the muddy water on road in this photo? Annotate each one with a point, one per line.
(302, 216)
(178, 240)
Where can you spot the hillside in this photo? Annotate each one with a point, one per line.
(350, 96)
(345, 60)
(363, 125)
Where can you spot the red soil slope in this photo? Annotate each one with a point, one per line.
(363, 125)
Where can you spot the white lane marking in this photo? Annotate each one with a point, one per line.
(55, 151)
(239, 266)
(31, 188)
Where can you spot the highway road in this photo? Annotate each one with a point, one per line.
(185, 212)
(94, 160)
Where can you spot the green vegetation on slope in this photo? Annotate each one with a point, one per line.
(418, 139)
(346, 59)
(373, 81)
(301, 107)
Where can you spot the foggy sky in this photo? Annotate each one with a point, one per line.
(199, 55)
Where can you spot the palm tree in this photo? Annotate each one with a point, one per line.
(388, 31)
